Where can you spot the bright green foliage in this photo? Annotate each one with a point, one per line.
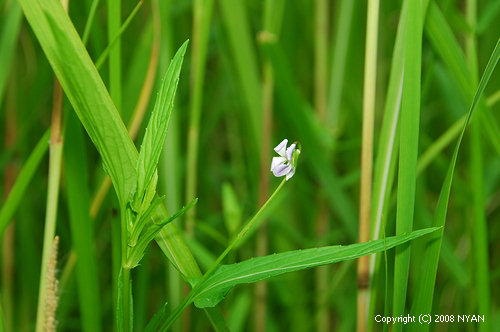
(215, 288)
(156, 131)
(254, 73)
(425, 287)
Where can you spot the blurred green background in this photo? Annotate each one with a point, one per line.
(257, 72)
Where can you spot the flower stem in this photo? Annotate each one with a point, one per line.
(244, 231)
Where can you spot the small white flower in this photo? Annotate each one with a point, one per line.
(286, 163)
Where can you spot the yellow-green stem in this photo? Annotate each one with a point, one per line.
(367, 157)
(194, 291)
(56, 148)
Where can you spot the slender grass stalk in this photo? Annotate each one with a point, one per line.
(321, 26)
(90, 20)
(410, 120)
(168, 167)
(240, 38)
(340, 51)
(114, 42)
(56, 149)
(424, 290)
(479, 225)
(52, 298)
(115, 90)
(10, 31)
(8, 248)
(82, 230)
(370, 79)
(493, 99)
(387, 152)
(262, 235)
(25, 175)
(272, 16)
(236, 240)
(202, 12)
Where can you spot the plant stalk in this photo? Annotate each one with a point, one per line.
(367, 158)
(55, 159)
(194, 291)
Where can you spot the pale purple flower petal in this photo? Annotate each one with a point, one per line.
(277, 161)
(290, 174)
(289, 151)
(281, 148)
(281, 170)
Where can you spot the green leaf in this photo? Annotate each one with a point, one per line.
(215, 288)
(408, 150)
(16, 194)
(11, 21)
(82, 232)
(425, 286)
(154, 323)
(91, 101)
(156, 131)
(137, 252)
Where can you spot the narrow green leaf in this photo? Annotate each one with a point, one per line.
(156, 131)
(137, 251)
(215, 288)
(408, 151)
(11, 21)
(81, 225)
(154, 323)
(17, 192)
(425, 282)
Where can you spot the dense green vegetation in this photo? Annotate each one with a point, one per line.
(138, 171)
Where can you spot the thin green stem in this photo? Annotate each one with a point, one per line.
(115, 40)
(367, 157)
(194, 292)
(126, 299)
(55, 159)
(201, 27)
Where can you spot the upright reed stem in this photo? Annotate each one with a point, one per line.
(321, 104)
(56, 148)
(367, 157)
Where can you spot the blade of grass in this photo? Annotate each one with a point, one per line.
(480, 229)
(90, 20)
(202, 13)
(55, 163)
(272, 18)
(11, 22)
(424, 293)
(81, 225)
(369, 89)
(446, 45)
(168, 168)
(387, 151)
(24, 178)
(242, 48)
(214, 289)
(115, 35)
(410, 119)
(340, 51)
